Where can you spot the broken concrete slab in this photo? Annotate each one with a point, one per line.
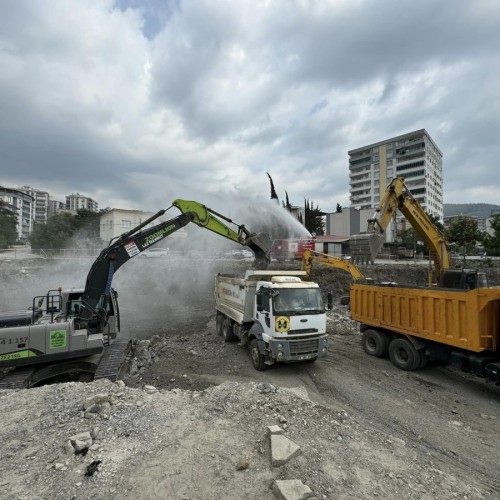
(291, 489)
(274, 429)
(283, 450)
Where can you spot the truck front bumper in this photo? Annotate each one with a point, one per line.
(298, 349)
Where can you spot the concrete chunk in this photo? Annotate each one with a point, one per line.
(291, 489)
(274, 429)
(283, 450)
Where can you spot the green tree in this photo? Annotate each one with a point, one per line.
(437, 222)
(56, 233)
(492, 242)
(274, 195)
(313, 218)
(8, 232)
(464, 232)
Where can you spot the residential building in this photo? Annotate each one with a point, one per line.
(21, 205)
(79, 201)
(414, 156)
(348, 222)
(117, 221)
(56, 207)
(41, 203)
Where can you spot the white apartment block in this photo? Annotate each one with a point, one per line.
(41, 203)
(413, 156)
(117, 221)
(79, 201)
(21, 205)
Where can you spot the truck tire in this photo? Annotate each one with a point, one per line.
(374, 343)
(218, 324)
(258, 359)
(227, 330)
(423, 358)
(404, 355)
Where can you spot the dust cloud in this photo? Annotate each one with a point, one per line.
(157, 295)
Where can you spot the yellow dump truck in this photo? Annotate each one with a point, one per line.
(460, 327)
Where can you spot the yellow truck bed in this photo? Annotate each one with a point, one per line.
(467, 319)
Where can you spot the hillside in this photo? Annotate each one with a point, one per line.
(480, 210)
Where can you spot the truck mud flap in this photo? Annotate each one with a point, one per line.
(113, 360)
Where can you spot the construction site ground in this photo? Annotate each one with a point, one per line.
(365, 428)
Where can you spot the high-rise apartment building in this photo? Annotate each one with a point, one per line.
(41, 203)
(21, 205)
(413, 156)
(78, 201)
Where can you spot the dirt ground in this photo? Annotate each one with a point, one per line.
(365, 428)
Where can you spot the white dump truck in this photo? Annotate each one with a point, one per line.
(280, 317)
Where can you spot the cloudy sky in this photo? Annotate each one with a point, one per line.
(138, 102)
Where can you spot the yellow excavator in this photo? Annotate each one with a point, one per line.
(365, 246)
(311, 256)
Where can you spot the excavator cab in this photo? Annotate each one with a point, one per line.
(463, 279)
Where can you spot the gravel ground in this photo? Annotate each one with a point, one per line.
(191, 421)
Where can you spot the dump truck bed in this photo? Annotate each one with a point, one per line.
(467, 319)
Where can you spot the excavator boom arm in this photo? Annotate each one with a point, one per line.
(398, 197)
(259, 243)
(311, 256)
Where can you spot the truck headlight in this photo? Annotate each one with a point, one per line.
(324, 349)
(280, 355)
(280, 346)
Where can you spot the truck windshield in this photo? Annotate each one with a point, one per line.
(293, 301)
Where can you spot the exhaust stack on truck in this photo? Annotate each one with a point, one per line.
(280, 317)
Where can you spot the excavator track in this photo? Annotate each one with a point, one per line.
(113, 359)
(17, 378)
(108, 365)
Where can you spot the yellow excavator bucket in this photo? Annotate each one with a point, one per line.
(364, 247)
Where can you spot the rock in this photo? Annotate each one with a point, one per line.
(283, 450)
(291, 489)
(68, 448)
(95, 408)
(81, 441)
(150, 388)
(274, 429)
(120, 383)
(242, 465)
(59, 466)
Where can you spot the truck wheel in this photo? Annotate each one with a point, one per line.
(227, 330)
(404, 355)
(218, 324)
(423, 358)
(374, 343)
(258, 360)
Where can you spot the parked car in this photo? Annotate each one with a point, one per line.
(239, 254)
(155, 253)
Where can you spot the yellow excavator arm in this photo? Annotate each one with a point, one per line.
(311, 256)
(398, 197)
(259, 243)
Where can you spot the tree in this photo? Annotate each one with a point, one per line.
(8, 225)
(274, 195)
(492, 242)
(339, 208)
(464, 232)
(288, 205)
(56, 233)
(313, 218)
(437, 222)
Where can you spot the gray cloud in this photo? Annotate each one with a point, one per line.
(137, 103)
